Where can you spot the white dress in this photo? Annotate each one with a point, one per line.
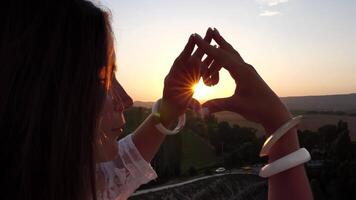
(119, 178)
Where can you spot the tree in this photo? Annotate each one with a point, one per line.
(192, 171)
(168, 158)
(309, 139)
(341, 148)
(317, 192)
(328, 134)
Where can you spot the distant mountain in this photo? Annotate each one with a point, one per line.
(340, 102)
(145, 104)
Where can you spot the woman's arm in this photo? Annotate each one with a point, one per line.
(293, 183)
(147, 138)
(177, 95)
(257, 102)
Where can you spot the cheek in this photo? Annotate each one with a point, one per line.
(106, 122)
(106, 145)
(110, 121)
(106, 116)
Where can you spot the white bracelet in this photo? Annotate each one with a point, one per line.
(163, 129)
(272, 139)
(287, 162)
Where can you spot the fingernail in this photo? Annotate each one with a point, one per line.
(192, 37)
(216, 30)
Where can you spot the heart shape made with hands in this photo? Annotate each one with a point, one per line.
(208, 88)
(223, 55)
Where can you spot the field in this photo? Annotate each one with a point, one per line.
(310, 121)
(196, 152)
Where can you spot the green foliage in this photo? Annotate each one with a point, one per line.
(317, 191)
(168, 159)
(192, 171)
(196, 152)
(309, 139)
(336, 178)
(134, 116)
(317, 112)
(328, 133)
(205, 143)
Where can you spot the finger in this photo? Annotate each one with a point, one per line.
(204, 66)
(214, 78)
(221, 41)
(188, 49)
(217, 105)
(192, 69)
(207, 81)
(196, 73)
(210, 50)
(208, 37)
(208, 78)
(214, 68)
(194, 105)
(223, 57)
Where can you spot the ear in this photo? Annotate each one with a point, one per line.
(102, 73)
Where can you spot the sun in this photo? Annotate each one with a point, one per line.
(201, 91)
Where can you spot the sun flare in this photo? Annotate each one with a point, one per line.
(201, 91)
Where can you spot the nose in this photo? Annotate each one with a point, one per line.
(126, 100)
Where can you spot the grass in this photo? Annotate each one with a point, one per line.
(196, 153)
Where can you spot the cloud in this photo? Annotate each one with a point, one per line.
(272, 2)
(265, 5)
(268, 13)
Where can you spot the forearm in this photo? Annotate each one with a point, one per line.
(292, 183)
(147, 138)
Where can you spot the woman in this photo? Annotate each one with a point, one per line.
(57, 96)
(61, 106)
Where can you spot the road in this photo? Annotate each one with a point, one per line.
(254, 171)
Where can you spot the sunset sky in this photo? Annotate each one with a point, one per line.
(299, 47)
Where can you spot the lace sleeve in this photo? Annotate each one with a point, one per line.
(119, 178)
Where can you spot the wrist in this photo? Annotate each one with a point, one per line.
(164, 119)
(276, 121)
(167, 112)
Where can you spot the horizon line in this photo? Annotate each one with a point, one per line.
(335, 94)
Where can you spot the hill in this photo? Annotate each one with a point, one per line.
(145, 104)
(339, 102)
(193, 148)
(311, 122)
(302, 104)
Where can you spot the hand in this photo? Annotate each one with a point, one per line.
(185, 72)
(253, 98)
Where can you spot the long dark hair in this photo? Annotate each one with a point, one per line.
(51, 56)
